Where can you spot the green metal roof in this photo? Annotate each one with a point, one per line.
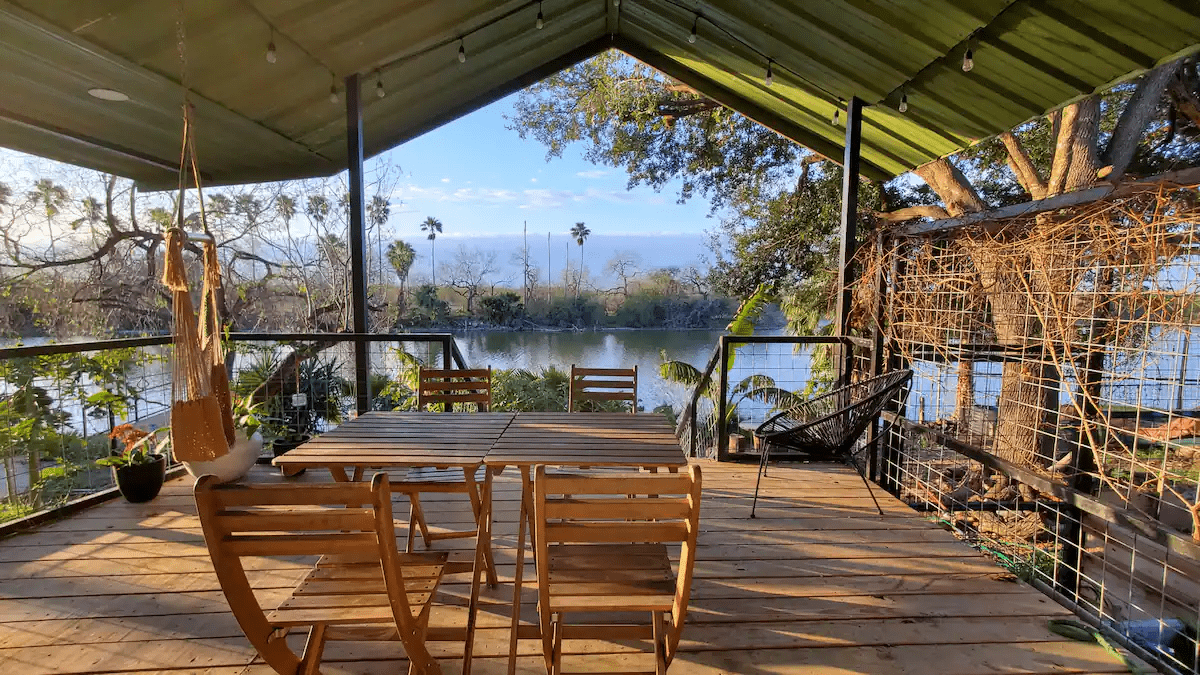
(258, 121)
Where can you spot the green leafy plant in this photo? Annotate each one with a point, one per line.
(139, 446)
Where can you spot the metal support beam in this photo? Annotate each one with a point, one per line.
(849, 231)
(358, 243)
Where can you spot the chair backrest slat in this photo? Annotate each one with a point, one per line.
(451, 386)
(599, 508)
(602, 384)
(616, 532)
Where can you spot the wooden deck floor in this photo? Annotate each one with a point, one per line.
(819, 583)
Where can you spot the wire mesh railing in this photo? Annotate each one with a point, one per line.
(58, 402)
(1054, 415)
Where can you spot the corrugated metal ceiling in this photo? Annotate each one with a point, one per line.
(259, 121)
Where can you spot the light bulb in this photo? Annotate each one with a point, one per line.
(836, 116)
(541, 21)
(616, 3)
(271, 56)
(462, 53)
(692, 37)
(968, 60)
(333, 97)
(770, 78)
(379, 88)
(903, 107)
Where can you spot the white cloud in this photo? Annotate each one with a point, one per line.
(445, 180)
(594, 173)
(532, 180)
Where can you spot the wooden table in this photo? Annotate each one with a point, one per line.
(574, 440)
(400, 440)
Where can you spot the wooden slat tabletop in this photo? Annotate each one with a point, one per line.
(403, 439)
(587, 439)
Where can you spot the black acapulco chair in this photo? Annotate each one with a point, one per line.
(826, 427)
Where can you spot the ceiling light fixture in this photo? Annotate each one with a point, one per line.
(770, 78)
(333, 95)
(462, 51)
(837, 111)
(271, 55)
(903, 107)
(968, 60)
(379, 84)
(541, 21)
(108, 94)
(695, 24)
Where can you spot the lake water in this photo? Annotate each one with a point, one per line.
(601, 349)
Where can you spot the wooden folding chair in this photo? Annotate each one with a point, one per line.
(448, 387)
(361, 587)
(602, 384)
(600, 551)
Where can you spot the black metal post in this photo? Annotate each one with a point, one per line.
(358, 243)
(447, 353)
(849, 233)
(877, 363)
(723, 388)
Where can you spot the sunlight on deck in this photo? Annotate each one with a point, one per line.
(818, 583)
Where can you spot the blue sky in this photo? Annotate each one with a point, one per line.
(483, 182)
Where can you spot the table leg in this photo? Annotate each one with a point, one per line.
(483, 544)
(477, 509)
(526, 496)
(339, 474)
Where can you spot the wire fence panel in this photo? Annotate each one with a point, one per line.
(1054, 415)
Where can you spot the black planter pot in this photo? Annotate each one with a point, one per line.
(287, 444)
(141, 482)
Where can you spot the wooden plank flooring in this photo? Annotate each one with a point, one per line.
(818, 583)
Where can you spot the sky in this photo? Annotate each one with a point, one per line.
(486, 185)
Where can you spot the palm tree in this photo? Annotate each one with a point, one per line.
(53, 197)
(581, 233)
(400, 255)
(432, 227)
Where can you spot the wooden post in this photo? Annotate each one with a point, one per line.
(722, 391)
(358, 244)
(849, 233)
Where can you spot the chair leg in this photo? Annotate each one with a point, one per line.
(762, 469)
(313, 648)
(660, 644)
(556, 654)
(418, 515)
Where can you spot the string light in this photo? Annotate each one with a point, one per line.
(968, 60)
(379, 84)
(271, 55)
(540, 20)
(837, 111)
(903, 107)
(616, 3)
(333, 95)
(695, 24)
(462, 51)
(770, 78)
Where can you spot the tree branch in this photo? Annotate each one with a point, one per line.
(1022, 166)
(1134, 118)
(956, 192)
(920, 211)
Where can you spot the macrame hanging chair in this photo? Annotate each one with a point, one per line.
(201, 407)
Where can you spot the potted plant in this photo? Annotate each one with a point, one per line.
(140, 468)
(244, 451)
